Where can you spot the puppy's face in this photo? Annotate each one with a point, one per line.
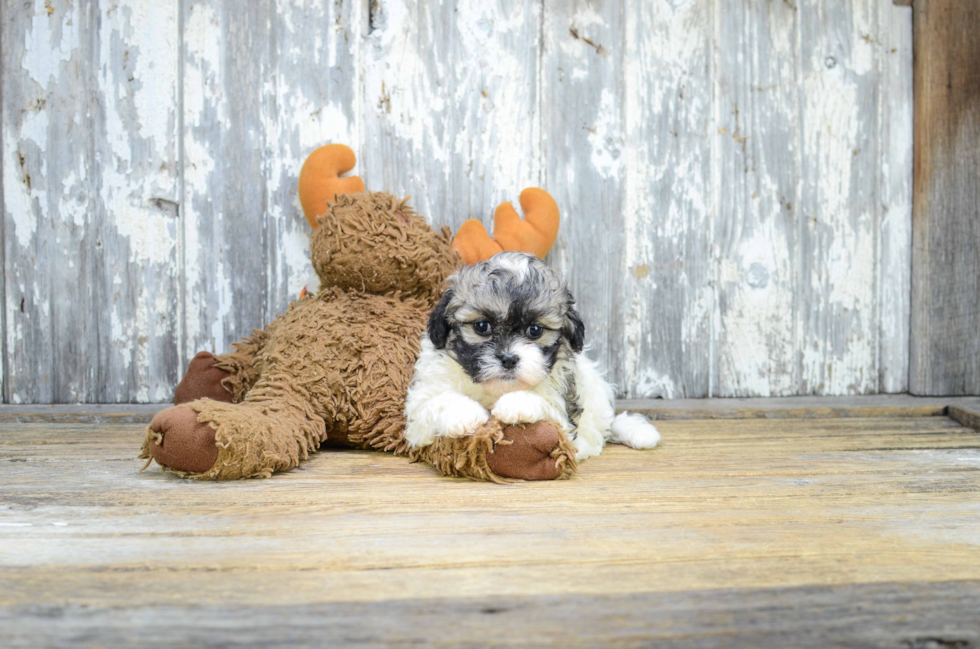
(507, 321)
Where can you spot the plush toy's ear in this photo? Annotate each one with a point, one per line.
(535, 234)
(438, 327)
(473, 243)
(574, 330)
(320, 181)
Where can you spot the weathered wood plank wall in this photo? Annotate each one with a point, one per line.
(735, 177)
(945, 354)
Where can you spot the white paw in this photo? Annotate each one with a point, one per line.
(463, 417)
(634, 431)
(585, 450)
(520, 407)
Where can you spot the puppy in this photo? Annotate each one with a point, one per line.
(505, 340)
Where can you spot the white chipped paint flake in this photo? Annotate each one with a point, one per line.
(400, 90)
(585, 24)
(755, 330)
(73, 206)
(638, 217)
(493, 99)
(225, 298)
(132, 188)
(651, 384)
(309, 124)
(205, 110)
(51, 40)
(606, 138)
(845, 273)
(295, 246)
(202, 87)
(21, 188)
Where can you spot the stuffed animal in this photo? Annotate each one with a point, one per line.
(334, 369)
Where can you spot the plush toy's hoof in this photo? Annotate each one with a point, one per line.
(186, 444)
(202, 381)
(529, 455)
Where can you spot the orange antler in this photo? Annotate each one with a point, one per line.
(535, 234)
(320, 181)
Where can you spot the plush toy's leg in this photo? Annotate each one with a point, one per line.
(211, 440)
(223, 378)
(241, 366)
(203, 380)
(500, 453)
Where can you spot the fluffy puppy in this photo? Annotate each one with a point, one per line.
(505, 339)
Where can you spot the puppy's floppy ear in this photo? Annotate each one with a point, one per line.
(574, 330)
(438, 327)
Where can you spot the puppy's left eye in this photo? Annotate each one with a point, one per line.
(482, 327)
(534, 331)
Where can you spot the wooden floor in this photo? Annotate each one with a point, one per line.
(861, 531)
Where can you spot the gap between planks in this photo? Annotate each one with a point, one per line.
(962, 409)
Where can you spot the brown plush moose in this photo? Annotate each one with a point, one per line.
(335, 368)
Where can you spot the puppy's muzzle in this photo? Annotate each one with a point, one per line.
(509, 361)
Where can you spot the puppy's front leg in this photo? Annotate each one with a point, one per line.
(523, 407)
(447, 414)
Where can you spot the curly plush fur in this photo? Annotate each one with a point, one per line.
(335, 368)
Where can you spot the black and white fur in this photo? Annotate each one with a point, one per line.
(506, 340)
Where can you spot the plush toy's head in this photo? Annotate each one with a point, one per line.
(375, 242)
(368, 241)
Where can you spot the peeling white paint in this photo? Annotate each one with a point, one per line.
(21, 192)
(51, 40)
(605, 138)
(446, 103)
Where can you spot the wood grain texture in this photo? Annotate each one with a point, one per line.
(264, 84)
(969, 417)
(733, 177)
(914, 615)
(584, 149)
(757, 179)
(665, 297)
(945, 347)
(862, 519)
(895, 123)
(450, 104)
(91, 203)
(838, 325)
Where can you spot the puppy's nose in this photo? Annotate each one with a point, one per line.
(509, 361)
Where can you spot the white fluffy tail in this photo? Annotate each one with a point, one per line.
(634, 430)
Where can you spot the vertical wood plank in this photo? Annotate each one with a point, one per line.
(450, 104)
(895, 184)
(264, 84)
(314, 101)
(583, 149)
(758, 172)
(226, 77)
(839, 215)
(665, 283)
(3, 224)
(945, 345)
(90, 201)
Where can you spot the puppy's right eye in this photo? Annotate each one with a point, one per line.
(482, 327)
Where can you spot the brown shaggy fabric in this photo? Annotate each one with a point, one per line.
(335, 368)
(203, 380)
(475, 456)
(375, 243)
(240, 364)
